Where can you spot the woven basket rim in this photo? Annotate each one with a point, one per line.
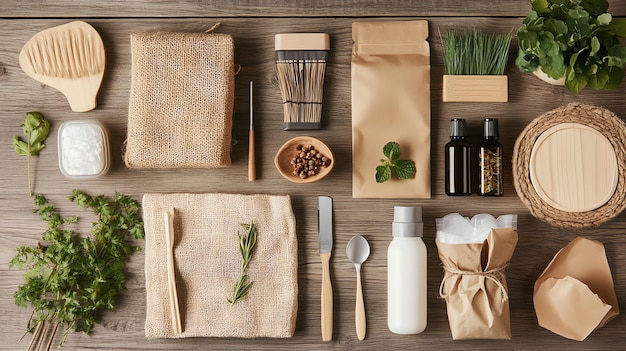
(598, 118)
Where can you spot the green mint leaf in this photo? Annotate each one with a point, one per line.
(404, 169)
(392, 150)
(21, 148)
(383, 174)
(36, 130)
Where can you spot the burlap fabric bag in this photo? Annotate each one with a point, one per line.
(181, 100)
(207, 261)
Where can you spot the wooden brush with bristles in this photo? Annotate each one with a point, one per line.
(69, 58)
(301, 67)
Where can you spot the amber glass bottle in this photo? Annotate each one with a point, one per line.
(458, 160)
(490, 160)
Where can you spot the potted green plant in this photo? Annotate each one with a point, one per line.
(576, 41)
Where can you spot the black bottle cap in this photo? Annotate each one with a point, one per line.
(490, 128)
(457, 127)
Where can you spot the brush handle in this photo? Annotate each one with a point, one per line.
(251, 155)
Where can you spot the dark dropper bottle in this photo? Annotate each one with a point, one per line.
(490, 160)
(458, 160)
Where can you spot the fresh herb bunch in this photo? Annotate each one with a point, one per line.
(393, 165)
(70, 280)
(247, 242)
(575, 39)
(36, 130)
(476, 53)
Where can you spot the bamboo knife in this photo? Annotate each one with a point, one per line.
(325, 229)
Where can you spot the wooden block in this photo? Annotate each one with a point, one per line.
(573, 168)
(475, 88)
(302, 41)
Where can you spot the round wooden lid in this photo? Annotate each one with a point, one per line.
(573, 167)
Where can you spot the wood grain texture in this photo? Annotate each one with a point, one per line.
(268, 8)
(254, 41)
(462, 88)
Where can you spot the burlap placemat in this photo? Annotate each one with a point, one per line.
(207, 262)
(181, 100)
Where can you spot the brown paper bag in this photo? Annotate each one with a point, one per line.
(390, 102)
(575, 294)
(474, 286)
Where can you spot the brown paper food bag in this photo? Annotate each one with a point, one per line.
(474, 286)
(181, 100)
(390, 102)
(207, 265)
(575, 294)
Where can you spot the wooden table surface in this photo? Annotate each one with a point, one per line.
(253, 25)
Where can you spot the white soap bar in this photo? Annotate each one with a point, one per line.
(83, 149)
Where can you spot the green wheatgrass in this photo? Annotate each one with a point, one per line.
(476, 53)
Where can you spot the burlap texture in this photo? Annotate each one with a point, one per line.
(181, 100)
(207, 261)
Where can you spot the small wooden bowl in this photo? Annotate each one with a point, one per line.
(288, 151)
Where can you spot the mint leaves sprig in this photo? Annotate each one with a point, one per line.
(36, 130)
(393, 165)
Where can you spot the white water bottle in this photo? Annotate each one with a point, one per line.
(406, 273)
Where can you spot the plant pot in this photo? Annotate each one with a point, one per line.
(541, 75)
(469, 88)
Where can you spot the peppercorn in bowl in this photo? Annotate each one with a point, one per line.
(304, 159)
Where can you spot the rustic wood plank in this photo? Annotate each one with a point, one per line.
(123, 329)
(265, 8)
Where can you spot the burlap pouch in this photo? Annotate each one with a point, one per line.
(207, 265)
(181, 100)
(474, 286)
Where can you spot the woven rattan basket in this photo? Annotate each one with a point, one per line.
(600, 119)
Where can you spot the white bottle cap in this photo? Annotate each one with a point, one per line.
(407, 222)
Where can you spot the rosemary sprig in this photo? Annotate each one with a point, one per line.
(476, 53)
(247, 242)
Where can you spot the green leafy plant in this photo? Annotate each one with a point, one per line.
(476, 53)
(393, 165)
(70, 280)
(36, 130)
(247, 242)
(575, 39)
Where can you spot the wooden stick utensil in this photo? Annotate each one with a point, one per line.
(168, 216)
(251, 151)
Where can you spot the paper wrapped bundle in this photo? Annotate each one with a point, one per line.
(474, 285)
(207, 265)
(575, 294)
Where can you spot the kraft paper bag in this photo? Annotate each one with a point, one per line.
(575, 294)
(474, 286)
(390, 102)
